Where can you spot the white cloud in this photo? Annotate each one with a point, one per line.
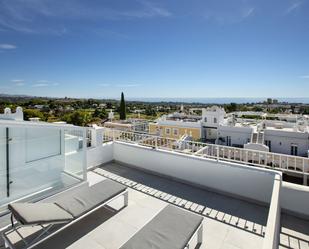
(295, 5)
(248, 12)
(7, 46)
(26, 16)
(228, 13)
(304, 76)
(20, 84)
(45, 83)
(40, 85)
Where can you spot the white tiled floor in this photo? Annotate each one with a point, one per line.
(120, 227)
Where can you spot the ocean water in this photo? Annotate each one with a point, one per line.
(220, 100)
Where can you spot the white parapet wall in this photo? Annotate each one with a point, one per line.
(100, 154)
(237, 180)
(295, 199)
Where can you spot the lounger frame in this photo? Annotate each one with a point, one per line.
(37, 239)
(199, 233)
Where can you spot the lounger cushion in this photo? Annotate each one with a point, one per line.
(39, 213)
(88, 198)
(172, 228)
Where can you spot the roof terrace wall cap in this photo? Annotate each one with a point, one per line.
(23, 123)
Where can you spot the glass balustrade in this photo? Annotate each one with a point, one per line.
(37, 160)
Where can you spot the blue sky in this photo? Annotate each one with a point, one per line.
(161, 48)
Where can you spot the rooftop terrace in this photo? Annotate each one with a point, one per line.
(243, 206)
(228, 222)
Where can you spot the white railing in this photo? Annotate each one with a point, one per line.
(282, 162)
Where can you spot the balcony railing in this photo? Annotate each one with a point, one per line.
(281, 162)
(37, 158)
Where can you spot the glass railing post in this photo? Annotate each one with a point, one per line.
(85, 154)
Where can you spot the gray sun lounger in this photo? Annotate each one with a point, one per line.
(172, 228)
(63, 209)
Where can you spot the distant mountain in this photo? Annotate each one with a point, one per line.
(16, 95)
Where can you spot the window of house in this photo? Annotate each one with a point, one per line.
(294, 149)
(167, 131)
(205, 119)
(228, 141)
(215, 120)
(175, 132)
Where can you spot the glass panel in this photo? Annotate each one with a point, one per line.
(42, 160)
(2, 163)
(74, 154)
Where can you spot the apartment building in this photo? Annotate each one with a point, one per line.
(131, 124)
(281, 133)
(177, 125)
(275, 136)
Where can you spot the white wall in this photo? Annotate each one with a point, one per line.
(259, 147)
(281, 141)
(239, 135)
(101, 154)
(295, 198)
(180, 123)
(246, 182)
(210, 114)
(210, 133)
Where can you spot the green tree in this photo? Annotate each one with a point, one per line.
(80, 118)
(122, 109)
(231, 107)
(150, 111)
(102, 114)
(109, 105)
(32, 113)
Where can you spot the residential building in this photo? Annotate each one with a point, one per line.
(274, 136)
(139, 125)
(278, 133)
(212, 117)
(177, 125)
(131, 124)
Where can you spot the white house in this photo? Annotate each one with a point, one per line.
(212, 117)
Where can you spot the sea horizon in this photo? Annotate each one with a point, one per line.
(224, 100)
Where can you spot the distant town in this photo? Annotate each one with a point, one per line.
(85, 112)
